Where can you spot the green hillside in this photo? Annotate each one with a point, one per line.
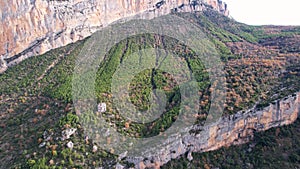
(262, 64)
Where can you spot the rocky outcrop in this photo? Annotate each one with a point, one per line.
(232, 130)
(33, 27)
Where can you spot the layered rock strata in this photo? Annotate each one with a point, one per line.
(33, 27)
(232, 130)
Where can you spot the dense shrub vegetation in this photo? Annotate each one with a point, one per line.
(262, 64)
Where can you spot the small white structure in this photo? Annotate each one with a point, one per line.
(70, 145)
(102, 107)
(42, 144)
(66, 134)
(95, 148)
(122, 155)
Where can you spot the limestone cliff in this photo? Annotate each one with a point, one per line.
(231, 130)
(33, 27)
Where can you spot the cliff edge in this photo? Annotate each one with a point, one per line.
(33, 27)
(231, 130)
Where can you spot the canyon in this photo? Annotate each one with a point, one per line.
(33, 27)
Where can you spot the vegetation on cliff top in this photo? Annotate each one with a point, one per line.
(262, 64)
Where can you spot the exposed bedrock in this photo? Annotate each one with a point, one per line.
(231, 130)
(33, 27)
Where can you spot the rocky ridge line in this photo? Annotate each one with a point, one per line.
(232, 130)
(33, 27)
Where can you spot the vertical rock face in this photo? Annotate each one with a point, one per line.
(232, 130)
(219, 6)
(32, 27)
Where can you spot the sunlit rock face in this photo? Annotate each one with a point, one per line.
(231, 130)
(33, 27)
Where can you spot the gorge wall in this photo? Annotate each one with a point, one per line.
(232, 130)
(33, 27)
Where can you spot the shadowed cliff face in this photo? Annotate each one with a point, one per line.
(232, 130)
(33, 27)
